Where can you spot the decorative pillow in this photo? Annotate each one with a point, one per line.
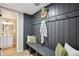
(71, 51)
(31, 39)
(28, 38)
(60, 51)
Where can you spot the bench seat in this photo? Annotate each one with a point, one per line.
(44, 51)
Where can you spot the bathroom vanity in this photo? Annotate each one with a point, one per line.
(0, 28)
(6, 37)
(6, 41)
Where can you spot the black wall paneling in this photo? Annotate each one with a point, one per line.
(50, 11)
(73, 32)
(27, 29)
(73, 14)
(53, 10)
(74, 6)
(49, 34)
(53, 35)
(63, 16)
(57, 9)
(62, 23)
(56, 32)
(78, 33)
(66, 31)
(66, 7)
(61, 32)
(63, 8)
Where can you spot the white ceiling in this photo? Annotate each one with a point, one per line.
(28, 8)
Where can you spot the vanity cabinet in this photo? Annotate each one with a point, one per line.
(0, 23)
(0, 28)
(3, 42)
(10, 41)
(7, 41)
(0, 41)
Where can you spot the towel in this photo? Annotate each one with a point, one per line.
(43, 30)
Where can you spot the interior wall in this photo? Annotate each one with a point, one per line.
(20, 22)
(27, 29)
(62, 23)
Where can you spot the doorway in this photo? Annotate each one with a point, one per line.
(8, 39)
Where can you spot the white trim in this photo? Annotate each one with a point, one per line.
(19, 51)
(19, 32)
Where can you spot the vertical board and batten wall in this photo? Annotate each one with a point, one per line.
(62, 23)
(27, 29)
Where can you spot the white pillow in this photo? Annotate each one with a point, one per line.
(71, 51)
(28, 38)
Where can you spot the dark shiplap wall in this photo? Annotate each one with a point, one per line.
(63, 25)
(27, 29)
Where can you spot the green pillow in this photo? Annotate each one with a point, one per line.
(60, 51)
(33, 39)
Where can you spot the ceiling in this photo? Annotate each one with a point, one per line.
(28, 8)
